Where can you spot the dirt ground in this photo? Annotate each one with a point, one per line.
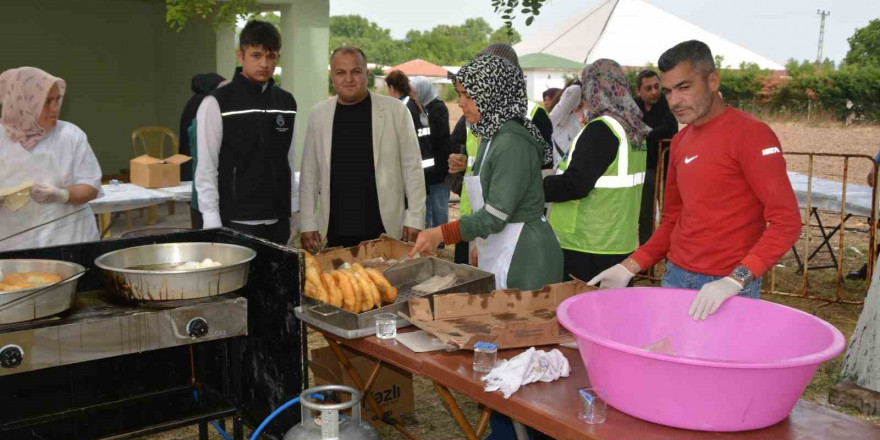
(434, 422)
(829, 139)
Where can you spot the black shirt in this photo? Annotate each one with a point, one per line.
(542, 121)
(595, 150)
(663, 125)
(457, 145)
(354, 201)
(438, 120)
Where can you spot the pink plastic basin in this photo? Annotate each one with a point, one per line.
(742, 368)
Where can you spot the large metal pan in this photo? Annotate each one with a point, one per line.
(49, 301)
(129, 279)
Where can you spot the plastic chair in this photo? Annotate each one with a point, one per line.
(153, 141)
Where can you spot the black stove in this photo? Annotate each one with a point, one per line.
(107, 368)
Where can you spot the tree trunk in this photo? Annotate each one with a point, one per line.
(861, 364)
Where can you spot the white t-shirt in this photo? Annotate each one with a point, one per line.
(63, 158)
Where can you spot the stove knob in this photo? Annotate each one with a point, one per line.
(11, 356)
(197, 327)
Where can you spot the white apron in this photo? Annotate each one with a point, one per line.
(495, 252)
(18, 165)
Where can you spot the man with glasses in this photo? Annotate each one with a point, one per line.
(244, 177)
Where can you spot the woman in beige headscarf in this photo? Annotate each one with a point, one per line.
(48, 164)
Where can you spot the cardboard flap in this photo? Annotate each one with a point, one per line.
(420, 309)
(457, 305)
(178, 159)
(146, 160)
(384, 247)
(509, 318)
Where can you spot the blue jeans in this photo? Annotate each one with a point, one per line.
(685, 279)
(437, 204)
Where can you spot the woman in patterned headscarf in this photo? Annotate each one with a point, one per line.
(505, 191)
(49, 158)
(596, 192)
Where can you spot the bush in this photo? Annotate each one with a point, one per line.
(831, 90)
(743, 88)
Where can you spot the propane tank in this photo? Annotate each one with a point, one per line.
(326, 424)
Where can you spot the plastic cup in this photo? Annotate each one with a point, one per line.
(485, 354)
(592, 408)
(386, 326)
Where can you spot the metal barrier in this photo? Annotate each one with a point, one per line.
(810, 212)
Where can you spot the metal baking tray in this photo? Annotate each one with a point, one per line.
(350, 325)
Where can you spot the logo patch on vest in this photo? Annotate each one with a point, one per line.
(279, 122)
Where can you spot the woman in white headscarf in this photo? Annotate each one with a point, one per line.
(48, 164)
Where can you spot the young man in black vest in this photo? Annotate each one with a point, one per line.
(245, 135)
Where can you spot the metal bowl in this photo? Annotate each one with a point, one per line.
(52, 300)
(131, 277)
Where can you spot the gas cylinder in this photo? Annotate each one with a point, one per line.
(321, 421)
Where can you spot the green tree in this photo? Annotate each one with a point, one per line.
(271, 17)
(179, 12)
(374, 40)
(507, 10)
(501, 35)
(864, 45)
(451, 45)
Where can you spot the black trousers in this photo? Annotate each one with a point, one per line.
(278, 233)
(462, 254)
(195, 218)
(585, 266)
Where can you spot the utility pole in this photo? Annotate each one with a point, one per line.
(821, 34)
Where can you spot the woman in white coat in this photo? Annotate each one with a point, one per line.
(48, 158)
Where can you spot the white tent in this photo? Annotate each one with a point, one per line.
(633, 33)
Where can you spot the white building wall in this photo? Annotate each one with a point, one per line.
(539, 80)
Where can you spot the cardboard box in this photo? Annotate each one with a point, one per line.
(392, 389)
(383, 247)
(149, 172)
(509, 318)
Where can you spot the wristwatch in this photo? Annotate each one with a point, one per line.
(743, 275)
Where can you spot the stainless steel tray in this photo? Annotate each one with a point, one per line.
(128, 278)
(350, 325)
(51, 300)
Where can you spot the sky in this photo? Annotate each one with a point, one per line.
(777, 29)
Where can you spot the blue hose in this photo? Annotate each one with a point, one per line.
(281, 408)
(220, 431)
(274, 414)
(214, 422)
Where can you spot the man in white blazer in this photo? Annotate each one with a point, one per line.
(361, 172)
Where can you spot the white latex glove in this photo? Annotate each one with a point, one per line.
(211, 221)
(46, 193)
(615, 277)
(711, 296)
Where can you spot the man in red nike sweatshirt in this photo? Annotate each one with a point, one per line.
(729, 211)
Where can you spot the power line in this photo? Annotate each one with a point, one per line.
(821, 33)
